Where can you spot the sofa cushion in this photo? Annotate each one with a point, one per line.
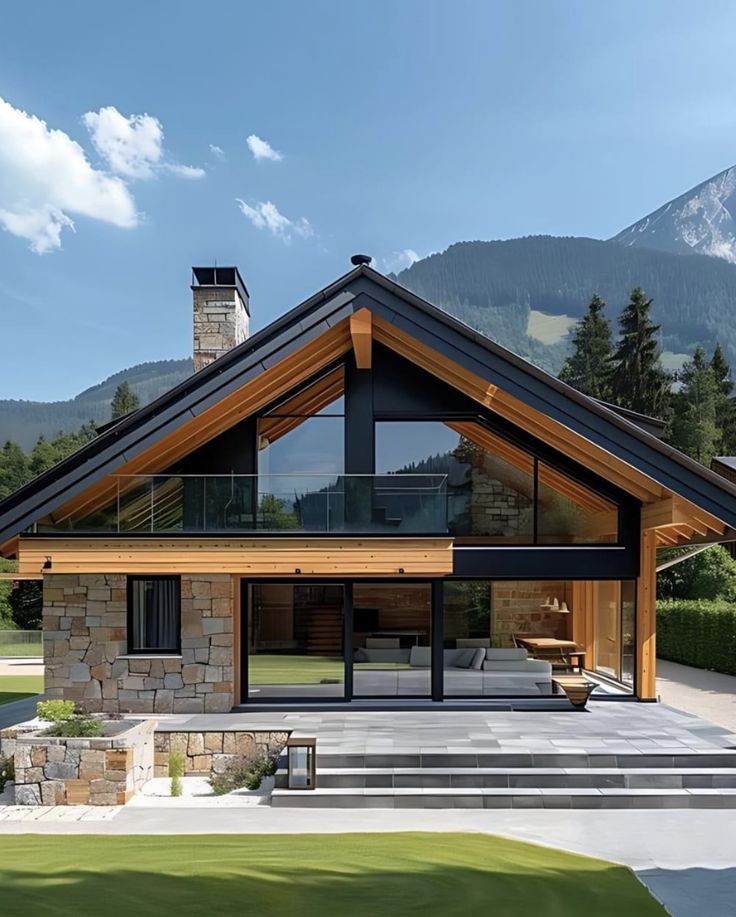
(477, 661)
(387, 655)
(421, 657)
(506, 654)
(522, 667)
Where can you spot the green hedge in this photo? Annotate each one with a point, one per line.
(698, 632)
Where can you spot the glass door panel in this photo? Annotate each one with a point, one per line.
(392, 639)
(295, 641)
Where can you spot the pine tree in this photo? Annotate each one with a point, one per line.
(124, 401)
(588, 368)
(639, 381)
(14, 470)
(694, 427)
(725, 405)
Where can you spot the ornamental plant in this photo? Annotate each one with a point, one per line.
(176, 772)
(56, 711)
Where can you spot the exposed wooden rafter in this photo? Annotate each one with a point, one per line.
(361, 333)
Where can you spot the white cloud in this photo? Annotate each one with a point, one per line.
(262, 149)
(133, 147)
(45, 178)
(130, 146)
(399, 261)
(265, 215)
(184, 171)
(217, 151)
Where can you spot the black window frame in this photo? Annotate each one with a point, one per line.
(152, 651)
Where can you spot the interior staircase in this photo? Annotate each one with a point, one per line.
(324, 637)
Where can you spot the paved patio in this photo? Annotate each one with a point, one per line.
(606, 727)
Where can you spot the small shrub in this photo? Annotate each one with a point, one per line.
(245, 772)
(7, 771)
(176, 772)
(80, 727)
(56, 711)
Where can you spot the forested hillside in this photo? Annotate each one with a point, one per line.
(24, 421)
(493, 286)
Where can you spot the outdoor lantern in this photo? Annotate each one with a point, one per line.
(302, 766)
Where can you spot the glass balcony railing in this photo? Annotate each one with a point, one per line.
(387, 504)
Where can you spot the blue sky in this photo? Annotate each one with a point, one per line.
(401, 126)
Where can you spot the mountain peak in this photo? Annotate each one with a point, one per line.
(700, 221)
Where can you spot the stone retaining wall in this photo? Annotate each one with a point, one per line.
(210, 752)
(85, 633)
(103, 771)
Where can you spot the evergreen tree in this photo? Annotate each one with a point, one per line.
(124, 401)
(588, 368)
(639, 381)
(725, 404)
(14, 470)
(694, 428)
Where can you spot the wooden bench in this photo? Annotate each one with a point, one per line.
(576, 688)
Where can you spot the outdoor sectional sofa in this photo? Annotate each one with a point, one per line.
(468, 671)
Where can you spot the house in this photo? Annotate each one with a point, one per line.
(366, 499)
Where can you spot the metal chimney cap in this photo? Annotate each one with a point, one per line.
(360, 259)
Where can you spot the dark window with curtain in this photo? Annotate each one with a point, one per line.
(154, 613)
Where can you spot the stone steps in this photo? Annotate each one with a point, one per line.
(490, 777)
(502, 798)
(415, 778)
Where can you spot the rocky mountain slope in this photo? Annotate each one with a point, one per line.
(700, 221)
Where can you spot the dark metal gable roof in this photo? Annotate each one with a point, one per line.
(440, 331)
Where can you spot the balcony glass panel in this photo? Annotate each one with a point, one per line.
(371, 504)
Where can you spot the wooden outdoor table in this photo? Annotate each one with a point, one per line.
(544, 647)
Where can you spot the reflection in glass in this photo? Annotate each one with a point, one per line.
(295, 641)
(392, 639)
(571, 513)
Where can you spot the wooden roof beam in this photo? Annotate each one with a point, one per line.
(361, 333)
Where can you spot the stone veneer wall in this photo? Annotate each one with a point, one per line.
(220, 323)
(210, 752)
(104, 771)
(85, 635)
(516, 609)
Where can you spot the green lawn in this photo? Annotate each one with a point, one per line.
(277, 669)
(16, 687)
(361, 875)
(21, 649)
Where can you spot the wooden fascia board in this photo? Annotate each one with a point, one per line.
(242, 556)
(361, 334)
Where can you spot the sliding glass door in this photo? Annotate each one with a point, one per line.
(392, 640)
(295, 641)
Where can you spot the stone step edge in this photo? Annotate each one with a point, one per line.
(523, 771)
(499, 791)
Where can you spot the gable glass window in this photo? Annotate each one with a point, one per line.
(301, 456)
(154, 614)
(497, 492)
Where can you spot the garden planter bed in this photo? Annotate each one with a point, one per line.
(197, 793)
(99, 771)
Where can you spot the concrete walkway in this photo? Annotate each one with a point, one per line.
(709, 695)
(686, 858)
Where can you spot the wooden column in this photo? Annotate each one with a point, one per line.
(646, 612)
(584, 595)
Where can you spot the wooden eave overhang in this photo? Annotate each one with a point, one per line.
(361, 307)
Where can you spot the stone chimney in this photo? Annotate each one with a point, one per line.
(221, 314)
